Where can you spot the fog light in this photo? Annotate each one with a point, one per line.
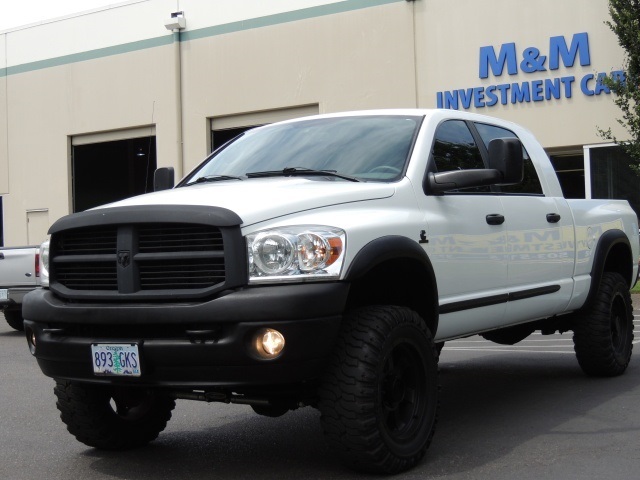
(268, 343)
(31, 340)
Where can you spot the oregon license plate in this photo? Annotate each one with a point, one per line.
(4, 294)
(116, 359)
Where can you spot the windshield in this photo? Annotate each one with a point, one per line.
(370, 148)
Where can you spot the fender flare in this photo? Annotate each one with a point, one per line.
(392, 247)
(607, 241)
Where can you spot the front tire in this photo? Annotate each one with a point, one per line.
(379, 397)
(112, 418)
(603, 337)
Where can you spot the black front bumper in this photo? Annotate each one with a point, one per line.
(192, 345)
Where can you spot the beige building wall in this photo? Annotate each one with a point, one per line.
(360, 59)
(48, 107)
(4, 141)
(448, 43)
(119, 69)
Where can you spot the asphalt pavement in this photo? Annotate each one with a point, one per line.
(507, 412)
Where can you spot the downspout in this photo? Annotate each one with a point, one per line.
(176, 24)
(415, 54)
(178, 81)
(5, 74)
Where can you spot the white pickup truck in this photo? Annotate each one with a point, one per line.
(19, 275)
(323, 262)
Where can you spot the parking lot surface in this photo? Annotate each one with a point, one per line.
(525, 411)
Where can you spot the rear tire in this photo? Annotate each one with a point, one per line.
(603, 336)
(14, 319)
(112, 418)
(379, 397)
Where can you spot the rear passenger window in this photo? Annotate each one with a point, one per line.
(531, 183)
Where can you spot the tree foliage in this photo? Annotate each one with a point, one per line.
(625, 23)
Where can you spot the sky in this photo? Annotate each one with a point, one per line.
(15, 13)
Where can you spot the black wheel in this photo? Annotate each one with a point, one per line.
(603, 337)
(14, 319)
(379, 398)
(112, 418)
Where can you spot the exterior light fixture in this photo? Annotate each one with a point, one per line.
(176, 22)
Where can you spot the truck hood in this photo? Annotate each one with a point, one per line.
(259, 199)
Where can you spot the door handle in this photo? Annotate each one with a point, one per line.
(495, 219)
(1, 256)
(553, 217)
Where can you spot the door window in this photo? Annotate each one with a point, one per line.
(530, 183)
(454, 148)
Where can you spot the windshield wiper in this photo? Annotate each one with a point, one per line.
(212, 178)
(300, 172)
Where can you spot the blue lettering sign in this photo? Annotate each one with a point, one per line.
(558, 50)
(551, 88)
(488, 60)
(520, 93)
(536, 91)
(532, 59)
(601, 87)
(465, 97)
(567, 82)
(493, 98)
(584, 85)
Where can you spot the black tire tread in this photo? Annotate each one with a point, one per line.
(592, 332)
(14, 319)
(346, 402)
(86, 411)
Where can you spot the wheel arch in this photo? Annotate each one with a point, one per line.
(394, 270)
(612, 254)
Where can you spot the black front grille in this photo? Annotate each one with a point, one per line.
(81, 275)
(191, 273)
(137, 260)
(87, 241)
(178, 238)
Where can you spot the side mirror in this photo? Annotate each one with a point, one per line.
(442, 181)
(505, 155)
(163, 179)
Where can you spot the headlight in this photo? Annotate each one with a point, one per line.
(44, 264)
(295, 254)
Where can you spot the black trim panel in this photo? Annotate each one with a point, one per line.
(214, 216)
(497, 299)
(393, 247)
(255, 304)
(533, 292)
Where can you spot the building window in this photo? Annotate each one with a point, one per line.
(611, 175)
(569, 168)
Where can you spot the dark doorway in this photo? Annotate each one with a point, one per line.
(111, 171)
(220, 137)
(570, 171)
(612, 176)
(1, 225)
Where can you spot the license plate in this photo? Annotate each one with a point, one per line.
(4, 294)
(116, 359)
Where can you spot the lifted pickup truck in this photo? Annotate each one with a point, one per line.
(323, 262)
(19, 275)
